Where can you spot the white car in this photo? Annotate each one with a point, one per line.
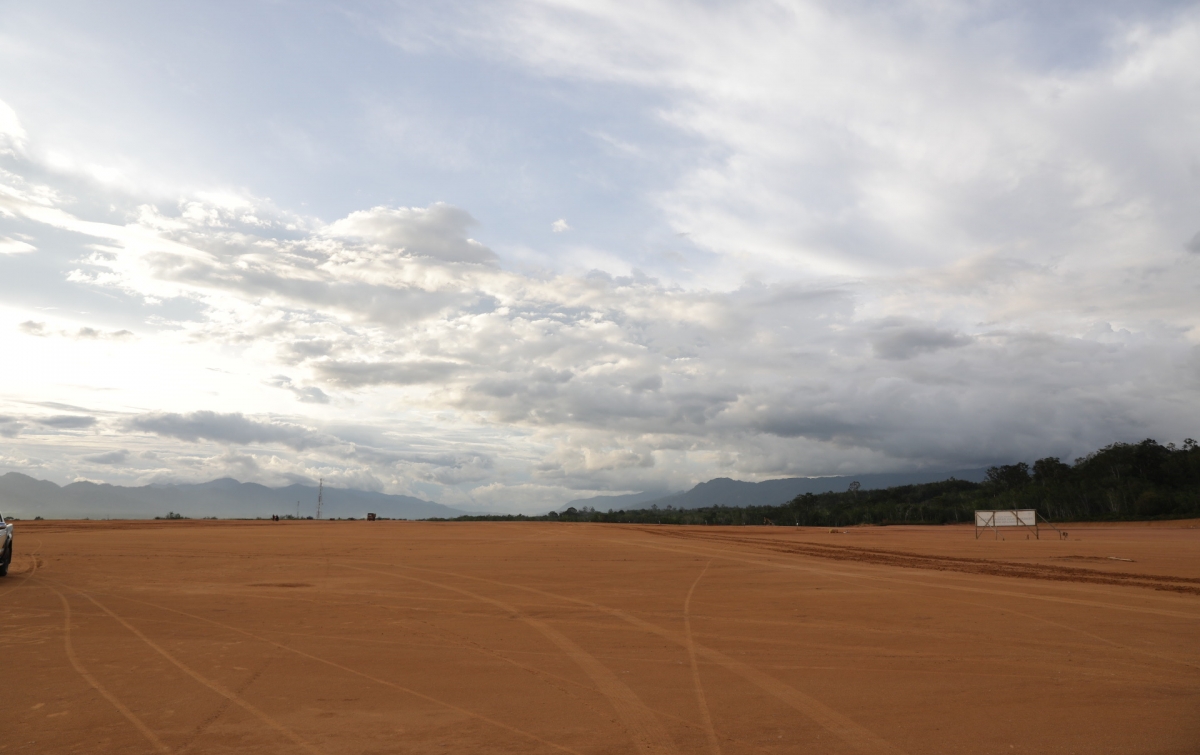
(6, 537)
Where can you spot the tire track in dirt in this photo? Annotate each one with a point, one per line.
(145, 731)
(499, 655)
(35, 562)
(742, 557)
(213, 685)
(843, 727)
(1084, 632)
(465, 614)
(215, 716)
(709, 730)
(552, 680)
(644, 728)
(729, 555)
(464, 643)
(909, 560)
(333, 664)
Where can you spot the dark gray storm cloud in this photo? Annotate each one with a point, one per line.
(10, 427)
(1193, 246)
(227, 428)
(899, 340)
(67, 421)
(110, 457)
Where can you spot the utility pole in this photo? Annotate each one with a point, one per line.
(320, 494)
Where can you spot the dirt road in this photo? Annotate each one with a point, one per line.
(398, 637)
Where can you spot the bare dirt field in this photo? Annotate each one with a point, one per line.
(399, 637)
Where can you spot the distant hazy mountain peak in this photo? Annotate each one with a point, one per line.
(25, 497)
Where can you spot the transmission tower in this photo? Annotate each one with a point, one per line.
(320, 495)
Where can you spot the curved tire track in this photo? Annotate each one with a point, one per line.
(212, 718)
(145, 731)
(215, 686)
(333, 664)
(910, 560)
(642, 725)
(697, 549)
(35, 561)
(713, 743)
(843, 727)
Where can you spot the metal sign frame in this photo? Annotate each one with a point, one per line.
(994, 519)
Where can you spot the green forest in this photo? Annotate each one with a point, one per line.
(1123, 481)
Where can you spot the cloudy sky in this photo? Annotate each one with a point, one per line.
(506, 254)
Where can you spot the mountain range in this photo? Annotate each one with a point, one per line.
(23, 496)
(726, 492)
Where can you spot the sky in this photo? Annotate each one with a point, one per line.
(503, 254)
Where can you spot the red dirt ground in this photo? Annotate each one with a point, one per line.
(400, 637)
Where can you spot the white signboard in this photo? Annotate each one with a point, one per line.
(1006, 518)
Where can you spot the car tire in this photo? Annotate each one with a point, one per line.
(5, 560)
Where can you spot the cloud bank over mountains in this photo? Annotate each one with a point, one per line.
(905, 241)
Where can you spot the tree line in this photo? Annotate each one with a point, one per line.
(1122, 481)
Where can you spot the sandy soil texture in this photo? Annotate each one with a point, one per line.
(400, 637)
